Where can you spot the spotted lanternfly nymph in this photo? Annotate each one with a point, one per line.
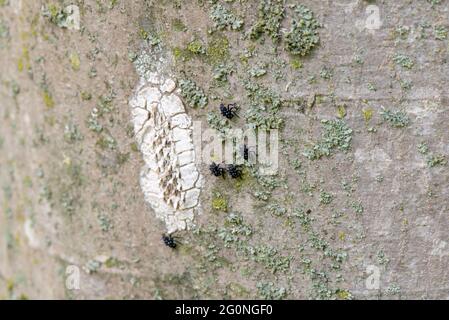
(169, 241)
(234, 171)
(230, 111)
(216, 170)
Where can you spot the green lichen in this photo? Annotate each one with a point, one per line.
(268, 291)
(393, 289)
(358, 59)
(325, 198)
(402, 32)
(258, 70)
(193, 94)
(219, 202)
(132, 56)
(367, 114)
(436, 160)
(326, 73)
(270, 16)
(276, 209)
(303, 36)
(217, 122)
(85, 96)
(93, 121)
(422, 30)
(75, 61)
(221, 73)
(218, 49)
(262, 195)
(440, 33)
(104, 222)
(48, 99)
(403, 60)
(434, 2)
(72, 133)
(382, 259)
(104, 103)
(235, 231)
(296, 64)
(196, 47)
(279, 66)
(56, 15)
(406, 84)
(15, 89)
(181, 54)
(371, 87)
(238, 289)
(304, 218)
(178, 25)
(224, 18)
(423, 148)
(270, 258)
(151, 38)
(397, 119)
(92, 266)
(357, 206)
(344, 294)
(4, 31)
(107, 142)
(24, 63)
(264, 108)
(268, 182)
(336, 136)
(258, 117)
(341, 111)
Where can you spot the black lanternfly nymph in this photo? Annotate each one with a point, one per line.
(216, 170)
(234, 171)
(169, 241)
(228, 112)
